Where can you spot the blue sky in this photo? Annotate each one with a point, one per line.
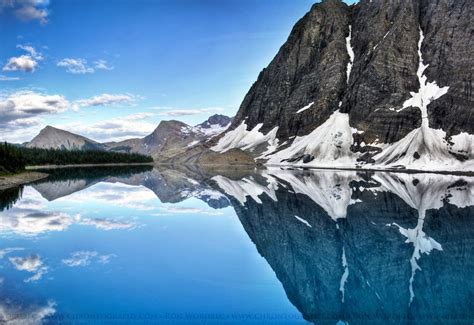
(113, 69)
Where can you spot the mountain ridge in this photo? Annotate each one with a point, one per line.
(169, 138)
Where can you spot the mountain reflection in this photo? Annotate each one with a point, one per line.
(365, 247)
(346, 246)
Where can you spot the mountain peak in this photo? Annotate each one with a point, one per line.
(49, 127)
(53, 138)
(214, 125)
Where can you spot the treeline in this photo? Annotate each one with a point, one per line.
(14, 158)
(11, 159)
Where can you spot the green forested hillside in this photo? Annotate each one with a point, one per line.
(14, 158)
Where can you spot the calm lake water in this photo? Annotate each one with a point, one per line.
(168, 246)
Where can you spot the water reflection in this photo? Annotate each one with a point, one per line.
(393, 247)
(346, 246)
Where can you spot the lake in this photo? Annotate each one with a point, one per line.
(274, 246)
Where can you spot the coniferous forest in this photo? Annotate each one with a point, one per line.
(13, 159)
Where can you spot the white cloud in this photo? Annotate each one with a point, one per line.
(6, 251)
(27, 62)
(27, 10)
(168, 111)
(114, 129)
(105, 259)
(80, 66)
(21, 63)
(22, 110)
(31, 50)
(28, 13)
(102, 65)
(75, 66)
(139, 116)
(107, 100)
(31, 264)
(27, 104)
(5, 78)
(84, 258)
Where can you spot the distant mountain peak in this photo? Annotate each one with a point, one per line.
(54, 138)
(214, 125)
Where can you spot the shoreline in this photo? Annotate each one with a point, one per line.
(385, 170)
(32, 173)
(22, 178)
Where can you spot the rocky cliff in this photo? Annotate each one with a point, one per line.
(383, 83)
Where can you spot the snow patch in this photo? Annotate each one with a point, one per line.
(305, 108)
(212, 129)
(243, 139)
(327, 145)
(193, 143)
(303, 221)
(350, 51)
(386, 34)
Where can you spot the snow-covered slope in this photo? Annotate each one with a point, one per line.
(328, 145)
(252, 140)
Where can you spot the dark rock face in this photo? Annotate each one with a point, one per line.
(449, 51)
(216, 119)
(311, 67)
(384, 39)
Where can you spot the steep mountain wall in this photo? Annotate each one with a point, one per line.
(396, 72)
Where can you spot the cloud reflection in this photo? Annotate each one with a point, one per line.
(85, 258)
(31, 264)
